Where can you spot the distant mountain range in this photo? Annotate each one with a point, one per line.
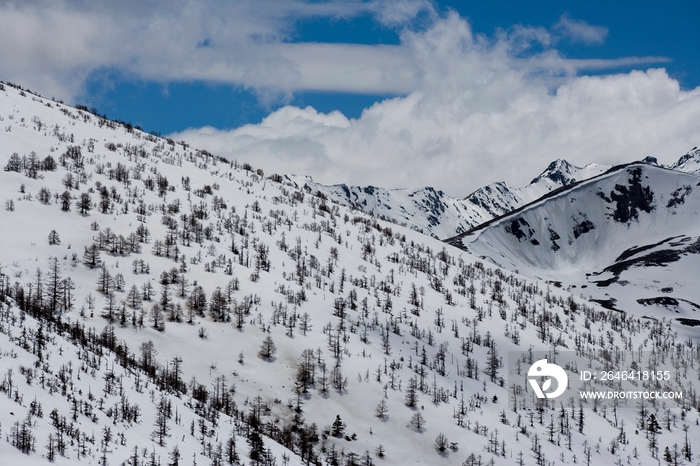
(162, 305)
(431, 211)
(628, 239)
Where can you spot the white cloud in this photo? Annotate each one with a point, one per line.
(399, 12)
(479, 113)
(581, 31)
(52, 47)
(473, 109)
(350, 67)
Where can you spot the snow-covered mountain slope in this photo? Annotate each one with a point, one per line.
(157, 302)
(558, 174)
(689, 163)
(630, 236)
(425, 210)
(433, 212)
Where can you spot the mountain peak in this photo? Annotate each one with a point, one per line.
(649, 160)
(689, 163)
(560, 171)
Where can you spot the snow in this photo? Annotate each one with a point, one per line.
(581, 261)
(689, 163)
(433, 212)
(381, 261)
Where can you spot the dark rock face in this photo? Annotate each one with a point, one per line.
(693, 248)
(694, 153)
(516, 226)
(659, 258)
(607, 303)
(522, 230)
(661, 300)
(602, 195)
(553, 237)
(626, 254)
(632, 198)
(678, 196)
(689, 322)
(433, 205)
(558, 171)
(489, 199)
(583, 227)
(672, 304)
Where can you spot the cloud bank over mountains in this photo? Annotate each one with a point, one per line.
(469, 108)
(479, 110)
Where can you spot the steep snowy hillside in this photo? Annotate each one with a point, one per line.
(689, 163)
(425, 210)
(433, 212)
(558, 174)
(159, 305)
(631, 237)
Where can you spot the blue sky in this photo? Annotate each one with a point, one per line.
(643, 28)
(393, 93)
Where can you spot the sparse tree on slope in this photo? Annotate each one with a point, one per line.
(267, 349)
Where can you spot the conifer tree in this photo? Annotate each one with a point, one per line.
(91, 257)
(417, 421)
(65, 199)
(84, 204)
(53, 285)
(412, 392)
(338, 427)
(267, 349)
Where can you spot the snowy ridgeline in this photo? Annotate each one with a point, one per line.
(433, 212)
(164, 306)
(629, 239)
(437, 214)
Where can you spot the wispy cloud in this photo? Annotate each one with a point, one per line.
(479, 111)
(55, 46)
(401, 12)
(469, 108)
(580, 31)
